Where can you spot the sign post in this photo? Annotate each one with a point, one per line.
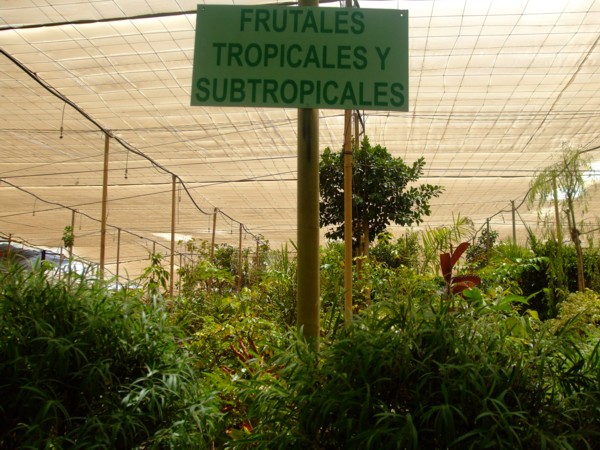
(301, 57)
(307, 58)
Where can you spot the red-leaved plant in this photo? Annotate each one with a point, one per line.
(456, 284)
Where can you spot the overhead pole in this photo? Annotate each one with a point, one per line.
(348, 217)
(514, 222)
(173, 212)
(72, 231)
(104, 206)
(308, 294)
(212, 247)
(239, 280)
(118, 254)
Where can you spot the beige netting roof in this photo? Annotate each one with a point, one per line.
(496, 88)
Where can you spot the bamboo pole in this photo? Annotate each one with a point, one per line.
(257, 271)
(72, 231)
(212, 247)
(173, 212)
(239, 280)
(179, 275)
(212, 241)
(118, 254)
(348, 217)
(348, 212)
(104, 206)
(514, 222)
(488, 244)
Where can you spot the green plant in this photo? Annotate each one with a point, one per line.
(479, 253)
(580, 310)
(437, 240)
(420, 375)
(279, 284)
(403, 252)
(564, 183)
(68, 237)
(456, 284)
(82, 367)
(383, 192)
(155, 277)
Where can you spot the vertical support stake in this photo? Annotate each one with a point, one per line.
(104, 206)
(348, 218)
(72, 231)
(514, 223)
(212, 247)
(173, 213)
(239, 280)
(118, 254)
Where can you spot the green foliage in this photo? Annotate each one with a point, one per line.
(229, 321)
(199, 277)
(403, 252)
(84, 368)
(564, 184)
(438, 240)
(155, 277)
(279, 285)
(68, 237)
(478, 254)
(581, 310)
(383, 191)
(380, 280)
(418, 375)
(514, 269)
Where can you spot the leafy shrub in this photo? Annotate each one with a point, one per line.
(414, 375)
(81, 367)
(403, 252)
(581, 310)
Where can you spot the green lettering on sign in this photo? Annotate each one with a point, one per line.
(305, 57)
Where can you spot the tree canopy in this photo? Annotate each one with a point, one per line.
(564, 184)
(384, 191)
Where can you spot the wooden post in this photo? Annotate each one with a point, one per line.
(348, 217)
(488, 245)
(118, 254)
(239, 280)
(514, 222)
(348, 212)
(212, 247)
(173, 211)
(60, 261)
(212, 241)
(72, 231)
(257, 271)
(179, 277)
(104, 206)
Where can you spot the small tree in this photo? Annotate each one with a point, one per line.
(68, 239)
(563, 183)
(383, 192)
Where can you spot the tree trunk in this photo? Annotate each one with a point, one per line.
(559, 262)
(577, 243)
